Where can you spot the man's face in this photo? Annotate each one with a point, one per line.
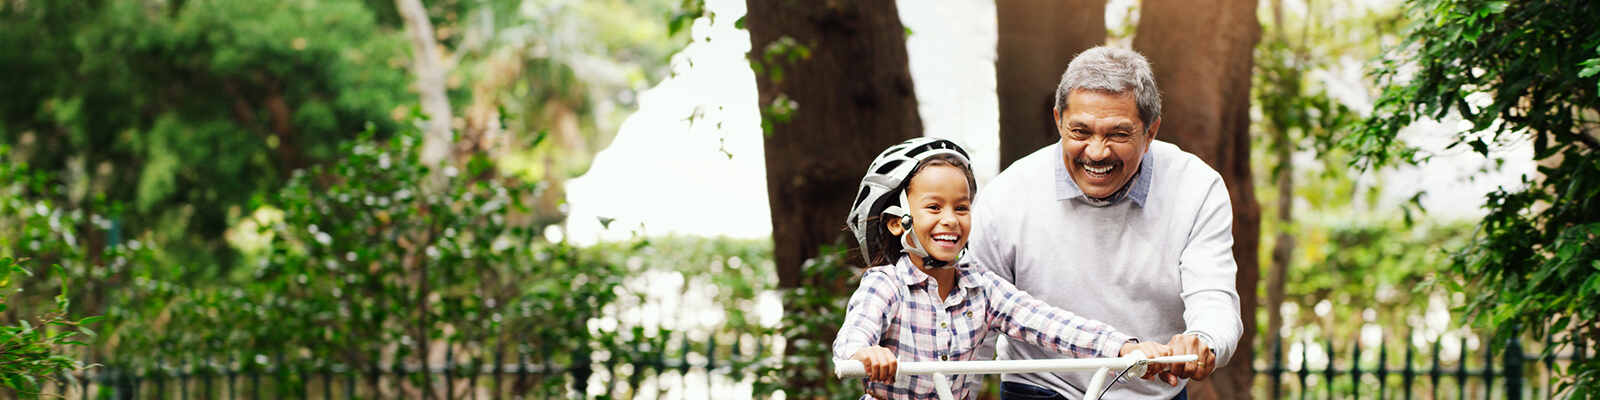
(1102, 140)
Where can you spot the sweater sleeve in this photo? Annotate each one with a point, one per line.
(1207, 269)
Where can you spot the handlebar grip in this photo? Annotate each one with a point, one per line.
(849, 369)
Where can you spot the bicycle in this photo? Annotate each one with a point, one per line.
(1133, 363)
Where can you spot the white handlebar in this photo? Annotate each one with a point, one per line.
(845, 369)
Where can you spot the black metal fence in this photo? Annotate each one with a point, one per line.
(515, 376)
(1509, 373)
(1515, 375)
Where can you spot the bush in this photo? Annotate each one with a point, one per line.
(35, 352)
(373, 261)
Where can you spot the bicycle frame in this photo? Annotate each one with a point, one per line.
(851, 369)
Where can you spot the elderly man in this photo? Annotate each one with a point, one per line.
(1114, 225)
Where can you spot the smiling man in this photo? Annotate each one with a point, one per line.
(1117, 226)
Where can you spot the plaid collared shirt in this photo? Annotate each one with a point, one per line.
(898, 307)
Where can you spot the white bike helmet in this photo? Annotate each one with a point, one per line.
(882, 189)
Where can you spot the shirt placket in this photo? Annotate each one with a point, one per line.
(941, 323)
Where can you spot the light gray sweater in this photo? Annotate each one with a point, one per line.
(1156, 262)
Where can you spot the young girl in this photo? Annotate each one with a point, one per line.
(920, 303)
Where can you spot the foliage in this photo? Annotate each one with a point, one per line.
(1382, 265)
(1518, 72)
(814, 310)
(359, 263)
(185, 110)
(35, 352)
(179, 113)
(35, 225)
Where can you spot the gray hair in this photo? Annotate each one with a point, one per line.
(1113, 70)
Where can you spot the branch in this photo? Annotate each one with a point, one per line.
(430, 80)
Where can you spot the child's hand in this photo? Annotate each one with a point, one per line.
(880, 363)
(1152, 350)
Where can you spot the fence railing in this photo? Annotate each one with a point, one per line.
(498, 376)
(1515, 375)
(1405, 374)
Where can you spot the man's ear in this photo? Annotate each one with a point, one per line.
(1150, 134)
(1055, 113)
(893, 223)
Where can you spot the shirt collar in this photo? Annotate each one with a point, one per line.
(1138, 189)
(965, 276)
(909, 272)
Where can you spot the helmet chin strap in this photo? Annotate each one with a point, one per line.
(909, 243)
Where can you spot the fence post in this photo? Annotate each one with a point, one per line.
(449, 371)
(1383, 368)
(160, 376)
(1327, 369)
(1355, 369)
(499, 368)
(1409, 374)
(1305, 370)
(1434, 374)
(1488, 369)
(1513, 368)
(1277, 366)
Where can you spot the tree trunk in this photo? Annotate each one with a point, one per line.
(1283, 246)
(1037, 39)
(844, 66)
(1202, 56)
(431, 70)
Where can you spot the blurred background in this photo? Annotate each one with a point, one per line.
(644, 198)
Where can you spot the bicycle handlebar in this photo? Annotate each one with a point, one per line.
(854, 369)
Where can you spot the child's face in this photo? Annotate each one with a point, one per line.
(940, 203)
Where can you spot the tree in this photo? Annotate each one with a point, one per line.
(182, 111)
(1518, 72)
(1202, 56)
(1036, 41)
(835, 90)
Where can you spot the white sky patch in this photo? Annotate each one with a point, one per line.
(666, 175)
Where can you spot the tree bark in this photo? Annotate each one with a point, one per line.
(1202, 55)
(853, 97)
(431, 71)
(1037, 39)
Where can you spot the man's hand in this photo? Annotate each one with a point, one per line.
(880, 363)
(1198, 370)
(1150, 350)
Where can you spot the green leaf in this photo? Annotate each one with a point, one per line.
(539, 138)
(1591, 67)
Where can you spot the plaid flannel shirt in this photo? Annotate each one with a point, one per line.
(898, 307)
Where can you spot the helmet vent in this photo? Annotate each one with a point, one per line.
(888, 166)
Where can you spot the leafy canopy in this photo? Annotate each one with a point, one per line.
(1526, 71)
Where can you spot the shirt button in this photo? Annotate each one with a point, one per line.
(943, 324)
(944, 357)
(969, 314)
